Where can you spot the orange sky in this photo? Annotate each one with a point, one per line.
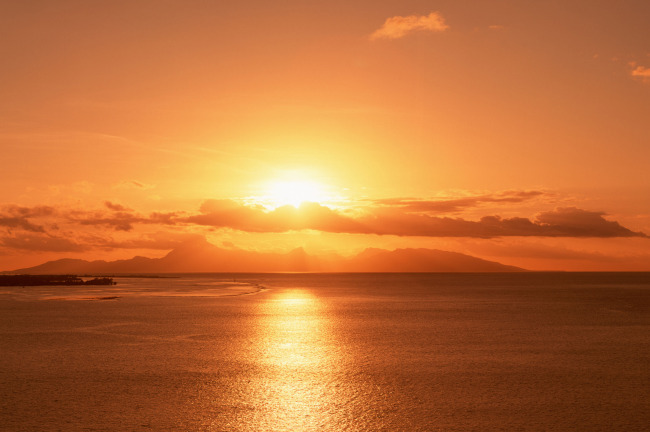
(512, 131)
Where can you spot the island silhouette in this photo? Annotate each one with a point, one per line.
(198, 255)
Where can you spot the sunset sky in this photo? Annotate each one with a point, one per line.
(513, 131)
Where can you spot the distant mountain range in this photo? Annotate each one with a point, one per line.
(200, 256)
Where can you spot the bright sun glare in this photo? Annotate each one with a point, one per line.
(294, 192)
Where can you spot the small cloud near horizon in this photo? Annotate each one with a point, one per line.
(641, 72)
(115, 206)
(399, 26)
(133, 184)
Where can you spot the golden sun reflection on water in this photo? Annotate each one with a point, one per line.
(294, 388)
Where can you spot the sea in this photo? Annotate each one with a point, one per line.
(329, 352)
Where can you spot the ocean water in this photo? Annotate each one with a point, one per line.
(337, 352)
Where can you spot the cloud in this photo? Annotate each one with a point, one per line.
(121, 220)
(36, 211)
(132, 184)
(159, 241)
(458, 204)
(18, 222)
(574, 222)
(230, 214)
(562, 222)
(399, 26)
(80, 230)
(41, 242)
(13, 216)
(559, 223)
(115, 207)
(642, 73)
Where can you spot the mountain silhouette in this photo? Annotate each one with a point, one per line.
(201, 256)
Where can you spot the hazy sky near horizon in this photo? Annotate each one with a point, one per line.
(513, 131)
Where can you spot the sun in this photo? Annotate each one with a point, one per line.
(294, 192)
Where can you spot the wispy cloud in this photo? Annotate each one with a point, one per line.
(399, 26)
(132, 184)
(457, 204)
(121, 220)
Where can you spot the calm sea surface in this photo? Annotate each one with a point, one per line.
(390, 352)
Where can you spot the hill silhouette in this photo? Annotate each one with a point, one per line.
(201, 256)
